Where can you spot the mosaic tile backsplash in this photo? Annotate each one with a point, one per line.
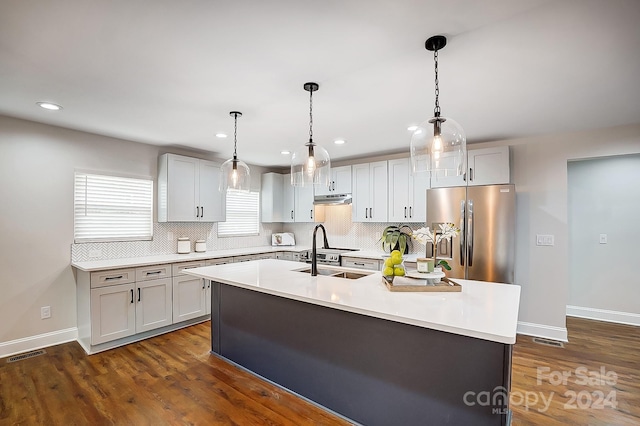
(341, 232)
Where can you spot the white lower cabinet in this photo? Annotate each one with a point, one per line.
(359, 263)
(123, 310)
(189, 293)
(113, 313)
(154, 305)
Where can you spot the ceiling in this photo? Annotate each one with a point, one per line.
(168, 73)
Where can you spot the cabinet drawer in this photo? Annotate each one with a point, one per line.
(153, 272)
(112, 277)
(220, 261)
(361, 263)
(177, 268)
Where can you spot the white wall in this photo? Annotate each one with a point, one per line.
(37, 163)
(604, 198)
(539, 171)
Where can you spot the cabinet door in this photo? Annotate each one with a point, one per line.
(207, 296)
(271, 202)
(361, 186)
(304, 204)
(288, 209)
(441, 179)
(488, 166)
(212, 202)
(182, 188)
(341, 180)
(153, 304)
(418, 197)
(379, 195)
(399, 187)
(113, 314)
(188, 298)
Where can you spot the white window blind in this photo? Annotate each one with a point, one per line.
(112, 208)
(243, 214)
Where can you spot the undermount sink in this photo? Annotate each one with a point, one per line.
(350, 275)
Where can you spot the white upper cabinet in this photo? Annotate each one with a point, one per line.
(188, 190)
(407, 192)
(288, 200)
(369, 187)
(304, 208)
(488, 166)
(272, 202)
(340, 182)
(282, 202)
(440, 179)
(485, 166)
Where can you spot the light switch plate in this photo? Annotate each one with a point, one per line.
(544, 240)
(603, 238)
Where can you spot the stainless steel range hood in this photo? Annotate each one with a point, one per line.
(332, 199)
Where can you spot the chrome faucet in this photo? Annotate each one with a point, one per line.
(314, 254)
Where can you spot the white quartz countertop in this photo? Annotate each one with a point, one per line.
(482, 310)
(101, 265)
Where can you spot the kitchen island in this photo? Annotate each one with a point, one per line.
(371, 355)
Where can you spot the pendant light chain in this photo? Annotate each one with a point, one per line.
(436, 110)
(235, 136)
(310, 115)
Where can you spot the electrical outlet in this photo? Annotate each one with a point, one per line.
(603, 238)
(45, 312)
(170, 236)
(95, 253)
(544, 240)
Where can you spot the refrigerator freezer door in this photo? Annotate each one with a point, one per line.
(491, 233)
(448, 205)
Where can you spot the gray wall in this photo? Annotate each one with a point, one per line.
(604, 198)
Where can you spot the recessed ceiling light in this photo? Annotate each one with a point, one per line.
(221, 135)
(339, 141)
(285, 152)
(49, 106)
(412, 128)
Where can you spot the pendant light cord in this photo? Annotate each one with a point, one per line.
(310, 116)
(436, 110)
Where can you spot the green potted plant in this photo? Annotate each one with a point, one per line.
(396, 237)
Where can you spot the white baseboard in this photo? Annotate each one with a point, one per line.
(541, 330)
(604, 315)
(36, 342)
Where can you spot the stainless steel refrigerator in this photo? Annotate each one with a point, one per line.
(485, 248)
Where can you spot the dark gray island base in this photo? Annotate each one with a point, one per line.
(370, 370)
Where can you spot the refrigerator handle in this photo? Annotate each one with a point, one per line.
(470, 235)
(462, 232)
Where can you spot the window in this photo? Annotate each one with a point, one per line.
(112, 208)
(243, 214)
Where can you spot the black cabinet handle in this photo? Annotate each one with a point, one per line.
(131, 295)
(202, 211)
(410, 213)
(154, 273)
(138, 294)
(311, 213)
(113, 278)
(370, 212)
(366, 213)
(470, 174)
(291, 214)
(405, 212)
(203, 283)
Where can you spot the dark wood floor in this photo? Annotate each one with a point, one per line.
(609, 355)
(172, 379)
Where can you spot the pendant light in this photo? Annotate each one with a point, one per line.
(439, 144)
(235, 174)
(310, 164)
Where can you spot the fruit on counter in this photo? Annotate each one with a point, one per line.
(393, 265)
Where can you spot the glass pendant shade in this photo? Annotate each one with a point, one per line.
(310, 165)
(439, 145)
(235, 175)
